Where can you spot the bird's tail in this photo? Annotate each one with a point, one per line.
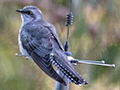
(45, 64)
(64, 65)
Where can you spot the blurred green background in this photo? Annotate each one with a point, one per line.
(94, 35)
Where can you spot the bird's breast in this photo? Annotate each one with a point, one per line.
(22, 50)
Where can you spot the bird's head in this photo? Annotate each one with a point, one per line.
(30, 14)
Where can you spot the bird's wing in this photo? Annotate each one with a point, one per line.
(61, 59)
(46, 66)
(54, 34)
(39, 46)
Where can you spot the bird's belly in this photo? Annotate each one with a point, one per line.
(22, 50)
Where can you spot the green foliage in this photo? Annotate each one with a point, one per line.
(80, 27)
(62, 2)
(110, 55)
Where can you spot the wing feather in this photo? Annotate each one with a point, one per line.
(39, 47)
(45, 64)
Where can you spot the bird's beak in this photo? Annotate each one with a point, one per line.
(20, 11)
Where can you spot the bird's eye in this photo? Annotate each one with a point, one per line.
(28, 12)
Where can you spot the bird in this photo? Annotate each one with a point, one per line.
(39, 42)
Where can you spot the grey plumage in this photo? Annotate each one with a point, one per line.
(38, 40)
